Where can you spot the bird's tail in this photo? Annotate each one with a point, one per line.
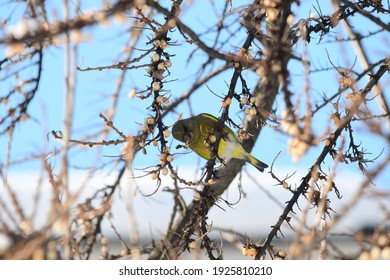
(257, 163)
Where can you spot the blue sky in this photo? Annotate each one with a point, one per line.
(94, 87)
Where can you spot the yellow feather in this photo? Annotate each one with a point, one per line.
(204, 125)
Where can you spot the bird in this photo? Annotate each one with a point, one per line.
(199, 133)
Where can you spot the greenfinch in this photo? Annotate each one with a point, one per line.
(199, 133)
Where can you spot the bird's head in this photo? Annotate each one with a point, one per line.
(182, 131)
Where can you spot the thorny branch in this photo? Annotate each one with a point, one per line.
(303, 187)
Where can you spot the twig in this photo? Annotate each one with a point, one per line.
(363, 59)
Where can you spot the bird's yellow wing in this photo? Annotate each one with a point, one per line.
(229, 146)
